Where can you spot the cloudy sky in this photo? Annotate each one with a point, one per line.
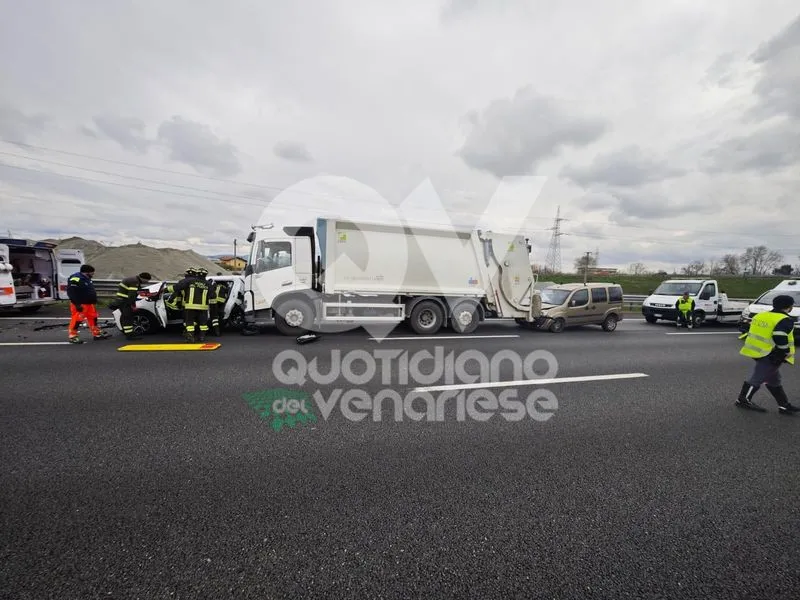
(665, 131)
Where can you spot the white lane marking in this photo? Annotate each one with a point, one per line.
(706, 333)
(34, 343)
(496, 384)
(65, 319)
(442, 337)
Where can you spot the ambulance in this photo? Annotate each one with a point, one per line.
(788, 287)
(34, 274)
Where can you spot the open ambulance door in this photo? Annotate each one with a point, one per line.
(8, 296)
(67, 263)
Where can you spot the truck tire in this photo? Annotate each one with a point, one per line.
(426, 317)
(650, 319)
(465, 318)
(294, 317)
(557, 326)
(698, 318)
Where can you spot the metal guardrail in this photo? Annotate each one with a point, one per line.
(106, 288)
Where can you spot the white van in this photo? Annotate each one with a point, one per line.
(34, 274)
(789, 287)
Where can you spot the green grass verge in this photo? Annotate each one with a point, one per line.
(736, 287)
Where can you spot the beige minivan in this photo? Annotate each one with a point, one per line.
(576, 304)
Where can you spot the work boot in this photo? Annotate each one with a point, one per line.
(215, 330)
(189, 336)
(784, 406)
(74, 339)
(201, 337)
(745, 398)
(103, 335)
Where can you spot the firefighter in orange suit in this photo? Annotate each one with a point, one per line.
(83, 304)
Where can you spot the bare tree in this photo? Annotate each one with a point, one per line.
(730, 265)
(714, 267)
(694, 268)
(638, 269)
(584, 262)
(760, 260)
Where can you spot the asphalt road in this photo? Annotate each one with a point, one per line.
(154, 475)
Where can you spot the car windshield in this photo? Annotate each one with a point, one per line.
(554, 296)
(675, 288)
(769, 296)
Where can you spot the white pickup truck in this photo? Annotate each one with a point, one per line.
(710, 303)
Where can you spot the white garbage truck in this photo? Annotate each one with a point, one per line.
(34, 274)
(345, 272)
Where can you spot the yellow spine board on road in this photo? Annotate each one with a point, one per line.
(167, 347)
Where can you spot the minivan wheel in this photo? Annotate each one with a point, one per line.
(557, 326)
(610, 323)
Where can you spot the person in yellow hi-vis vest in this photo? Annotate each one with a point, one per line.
(770, 343)
(685, 306)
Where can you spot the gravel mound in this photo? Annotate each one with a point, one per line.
(116, 262)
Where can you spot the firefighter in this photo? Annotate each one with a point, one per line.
(125, 301)
(685, 306)
(219, 297)
(770, 343)
(193, 291)
(175, 302)
(83, 304)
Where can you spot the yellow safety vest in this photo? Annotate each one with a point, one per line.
(684, 305)
(758, 341)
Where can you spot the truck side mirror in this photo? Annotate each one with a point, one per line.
(248, 270)
(251, 236)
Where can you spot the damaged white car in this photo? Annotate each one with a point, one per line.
(152, 313)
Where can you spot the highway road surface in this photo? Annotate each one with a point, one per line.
(176, 475)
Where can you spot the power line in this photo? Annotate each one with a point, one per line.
(279, 189)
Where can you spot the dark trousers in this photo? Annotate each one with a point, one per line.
(193, 319)
(215, 312)
(126, 318)
(685, 319)
(766, 373)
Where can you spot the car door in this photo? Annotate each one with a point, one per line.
(578, 307)
(707, 300)
(273, 271)
(598, 304)
(8, 296)
(160, 305)
(234, 297)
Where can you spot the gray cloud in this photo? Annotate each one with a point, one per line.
(196, 145)
(292, 151)
(128, 132)
(631, 207)
(17, 126)
(779, 85)
(628, 167)
(512, 136)
(768, 150)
